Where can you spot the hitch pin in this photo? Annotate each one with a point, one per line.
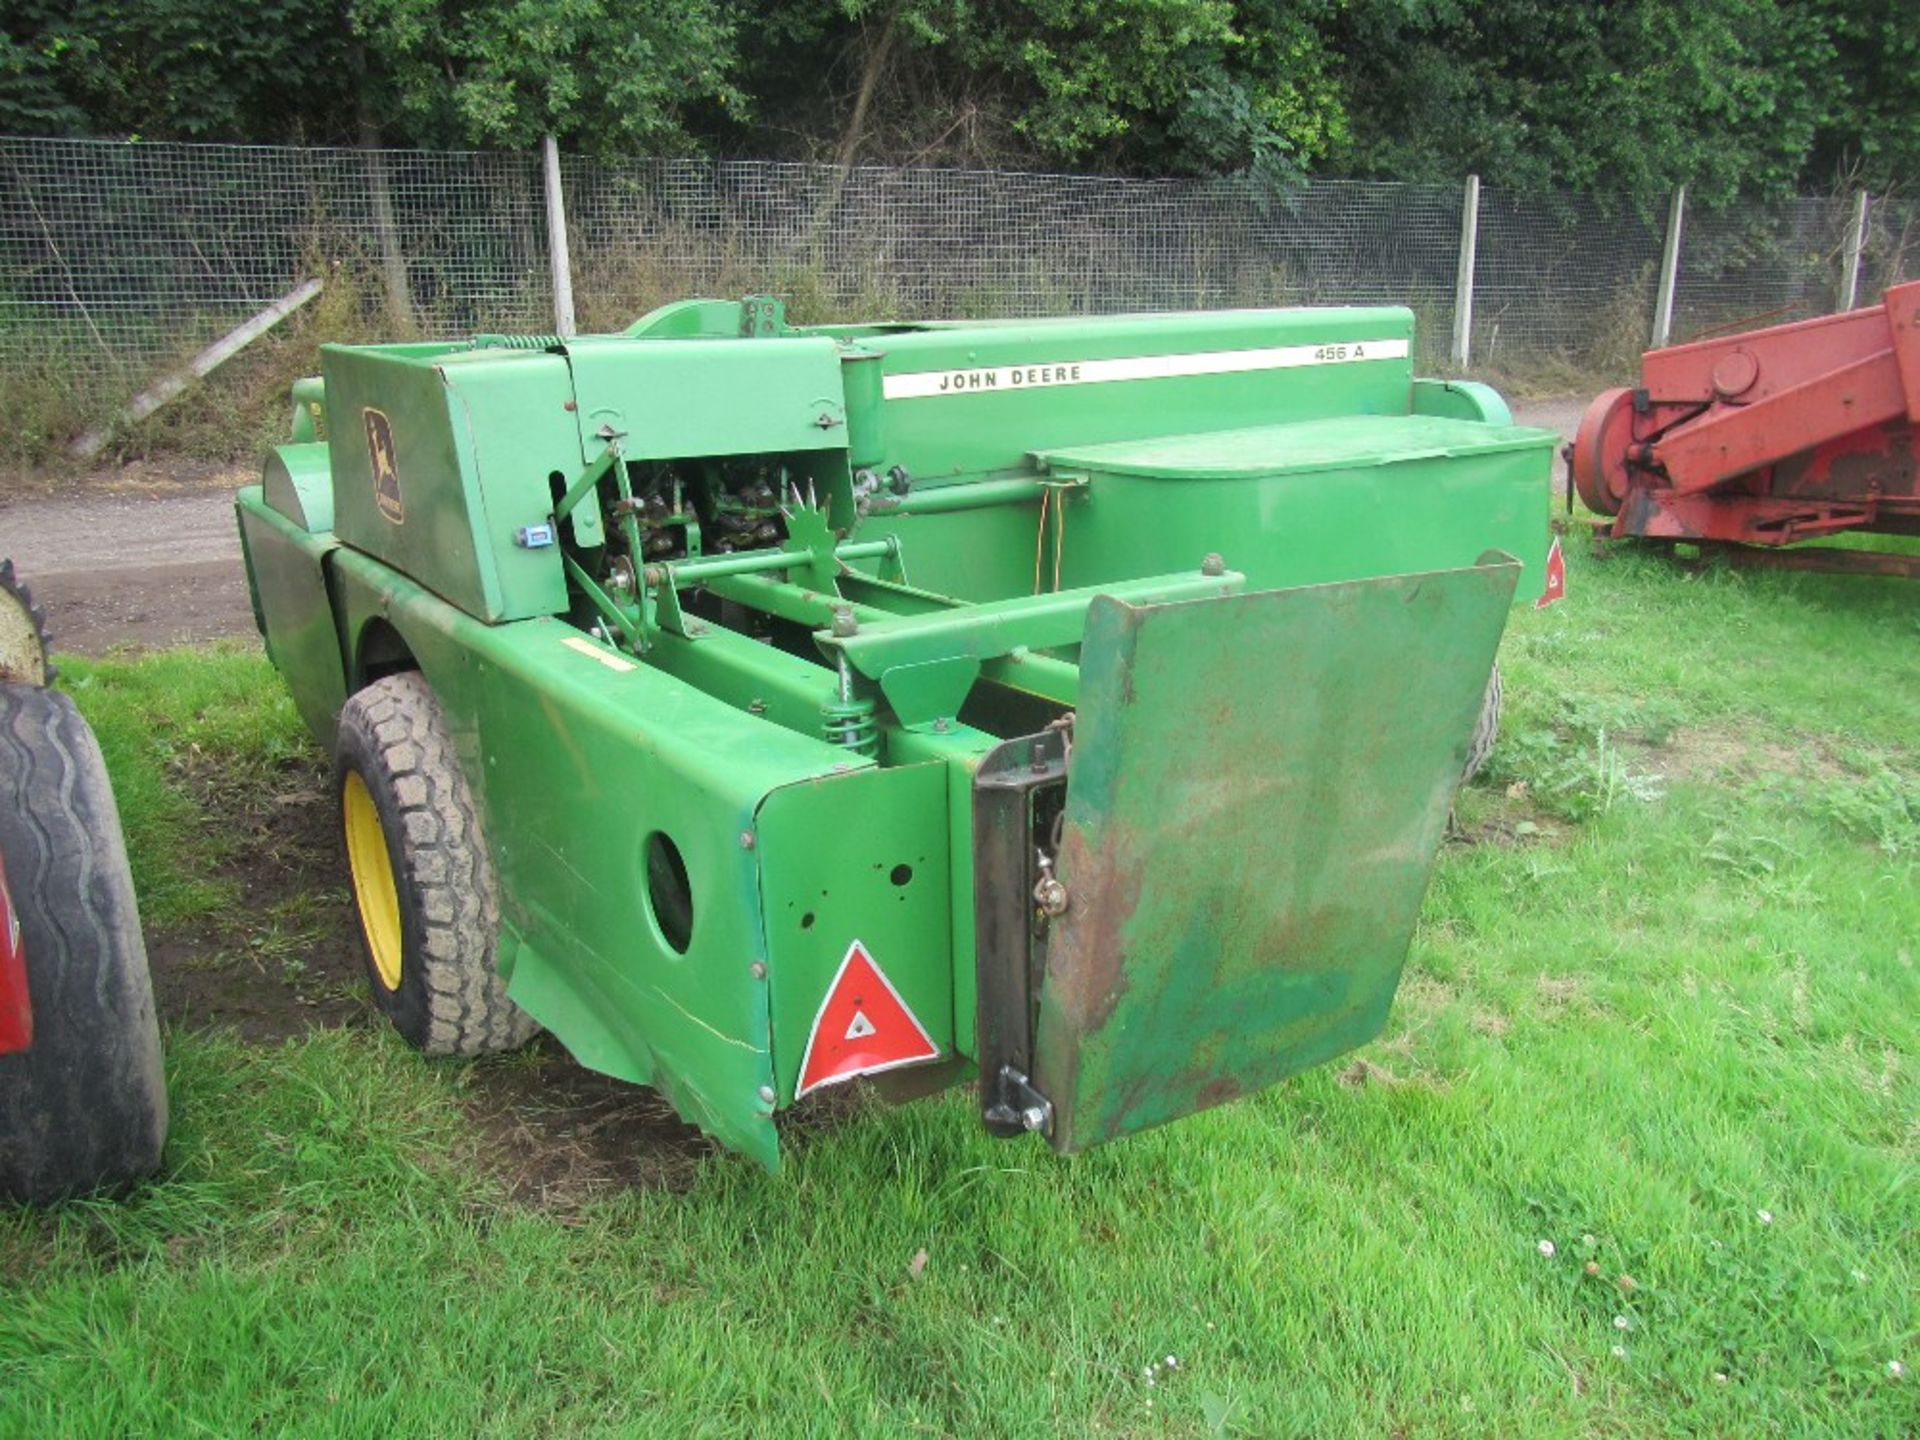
(1050, 895)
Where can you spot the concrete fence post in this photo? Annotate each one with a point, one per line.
(1669, 269)
(1463, 282)
(1856, 246)
(557, 258)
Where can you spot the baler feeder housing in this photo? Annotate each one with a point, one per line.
(1073, 704)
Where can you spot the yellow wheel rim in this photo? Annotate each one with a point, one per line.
(373, 888)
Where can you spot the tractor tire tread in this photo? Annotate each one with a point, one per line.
(467, 1012)
(85, 1105)
(1486, 730)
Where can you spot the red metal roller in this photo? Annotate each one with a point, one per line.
(1600, 451)
(1768, 438)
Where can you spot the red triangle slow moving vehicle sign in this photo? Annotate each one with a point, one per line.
(863, 1027)
(1556, 586)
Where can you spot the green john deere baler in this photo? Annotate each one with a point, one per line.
(1073, 704)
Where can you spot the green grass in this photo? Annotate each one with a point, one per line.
(182, 733)
(1662, 1012)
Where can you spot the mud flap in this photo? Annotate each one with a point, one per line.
(1256, 790)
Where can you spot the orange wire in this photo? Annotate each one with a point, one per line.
(1040, 537)
(1059, 538)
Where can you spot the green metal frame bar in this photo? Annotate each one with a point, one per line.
(946, 499)
(684, 574)
(1020, 669)
(787, 601)
(589, 478)
(926, 663)
(309, 408)
(1001, 627)
(893, 596)
(1041, 675)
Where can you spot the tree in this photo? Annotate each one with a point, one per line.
(1139, 85)
(34, 61)
(614, 76)
(611, 75)
(1870, 131)
(178, 69)
(1733, 97)
(1635, 96)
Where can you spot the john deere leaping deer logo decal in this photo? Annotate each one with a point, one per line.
(386, 468)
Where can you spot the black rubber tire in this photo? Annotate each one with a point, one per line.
(451, 998)
(24, 643)
(1486, 730)
(84, 1107)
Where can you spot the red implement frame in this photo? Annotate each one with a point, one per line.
(1766, 438)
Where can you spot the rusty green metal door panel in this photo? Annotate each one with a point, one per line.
(1258, 788)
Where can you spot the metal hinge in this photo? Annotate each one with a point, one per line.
(1016, 1102)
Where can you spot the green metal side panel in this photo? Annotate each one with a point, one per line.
(857, 856)
(984, 554)
(576, 755)
(1417, 494)
(473, 438)
(674, 398)
(959, 754)
(287, 567)
(1000, 401)
(1343, 442)
(1246, 846)
(1318, 526)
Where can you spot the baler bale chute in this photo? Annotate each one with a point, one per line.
(1076, 704)
(1751, 443)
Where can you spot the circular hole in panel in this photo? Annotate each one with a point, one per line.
(669, 893)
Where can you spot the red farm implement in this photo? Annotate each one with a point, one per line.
(1767, 438)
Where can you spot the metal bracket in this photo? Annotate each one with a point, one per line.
(762, 317)
(1015, 1106)
(589, 529)
(1017, 790)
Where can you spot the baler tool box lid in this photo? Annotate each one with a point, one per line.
(1341, 442)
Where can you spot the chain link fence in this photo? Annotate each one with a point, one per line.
(903, 243)
(117, 259)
